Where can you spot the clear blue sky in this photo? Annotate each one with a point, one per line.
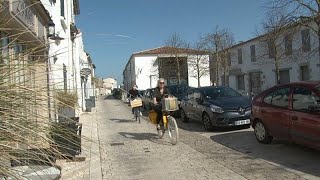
(114, 29)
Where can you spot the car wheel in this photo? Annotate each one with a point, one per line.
(184, 117)
(207, 123)
(261, 133)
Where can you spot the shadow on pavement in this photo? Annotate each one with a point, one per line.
(152, 137)
(289, 155)
(123, 120)
(108, 97)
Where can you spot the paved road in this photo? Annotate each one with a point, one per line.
(133, 151)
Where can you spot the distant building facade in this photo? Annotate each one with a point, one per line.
(144, 68)
(252, 68)
(109, 84)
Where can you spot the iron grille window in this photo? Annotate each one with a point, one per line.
(253, 53)
(305, 35)
(304, 73)
(288, 44)
(240, 82)
(240, 56)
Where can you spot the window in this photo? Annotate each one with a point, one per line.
(190, 95)
(284, 76)
(271, 49)
(229, 58)
(65, 86)
(253, 53)
(288, 44)
(147, 94)
(197, 94)
(304, 73)
(303, 98)
(240, 82)
(240, 56)
(279, 98)
(268, 98)
(62, 8)
(305, 35)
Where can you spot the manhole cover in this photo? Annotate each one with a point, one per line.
(117, 144)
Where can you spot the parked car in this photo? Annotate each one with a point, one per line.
(147, 98)
(288, 112)
(179, 91)
(216, 107)
(141, 93)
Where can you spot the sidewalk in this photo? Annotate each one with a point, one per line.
(91, 167)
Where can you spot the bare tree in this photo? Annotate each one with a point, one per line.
(199, 63)
(218, 44)
(303, 12)
(177, 48)
(277, 39)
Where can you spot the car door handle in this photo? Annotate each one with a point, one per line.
(294, 118)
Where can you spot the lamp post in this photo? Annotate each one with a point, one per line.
(51, 30)
(51, 33)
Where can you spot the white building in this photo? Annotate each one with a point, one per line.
(71, 68)
(253, 69)
(62, 49)
(109, 84)
(145, 67)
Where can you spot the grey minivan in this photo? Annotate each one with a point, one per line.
(216, 106)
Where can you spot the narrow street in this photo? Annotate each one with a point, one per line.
(133, 151)
(129, 150)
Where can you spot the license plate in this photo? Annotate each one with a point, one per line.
(243, 122)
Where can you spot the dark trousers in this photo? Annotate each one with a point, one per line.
(158, 110)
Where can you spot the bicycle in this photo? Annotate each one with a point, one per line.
(136, 112)
(136, 104)
(168, 123)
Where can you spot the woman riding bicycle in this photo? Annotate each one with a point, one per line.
(133, 93)
(159, 93)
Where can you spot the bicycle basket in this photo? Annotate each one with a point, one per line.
(170, 104)
(153, 117)
(136, 103)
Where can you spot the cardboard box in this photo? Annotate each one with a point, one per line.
(136, 103)
(170, 104)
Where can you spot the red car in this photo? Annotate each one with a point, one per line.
(288, 112)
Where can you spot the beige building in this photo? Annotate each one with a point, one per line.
(23, 66)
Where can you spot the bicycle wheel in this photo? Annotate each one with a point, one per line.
(173, 130)
(161, 130)
(138, 114)
(135, 110)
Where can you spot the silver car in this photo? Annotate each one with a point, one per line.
(216, 107)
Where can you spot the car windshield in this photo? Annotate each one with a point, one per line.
(220, 92)
(177, 90)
